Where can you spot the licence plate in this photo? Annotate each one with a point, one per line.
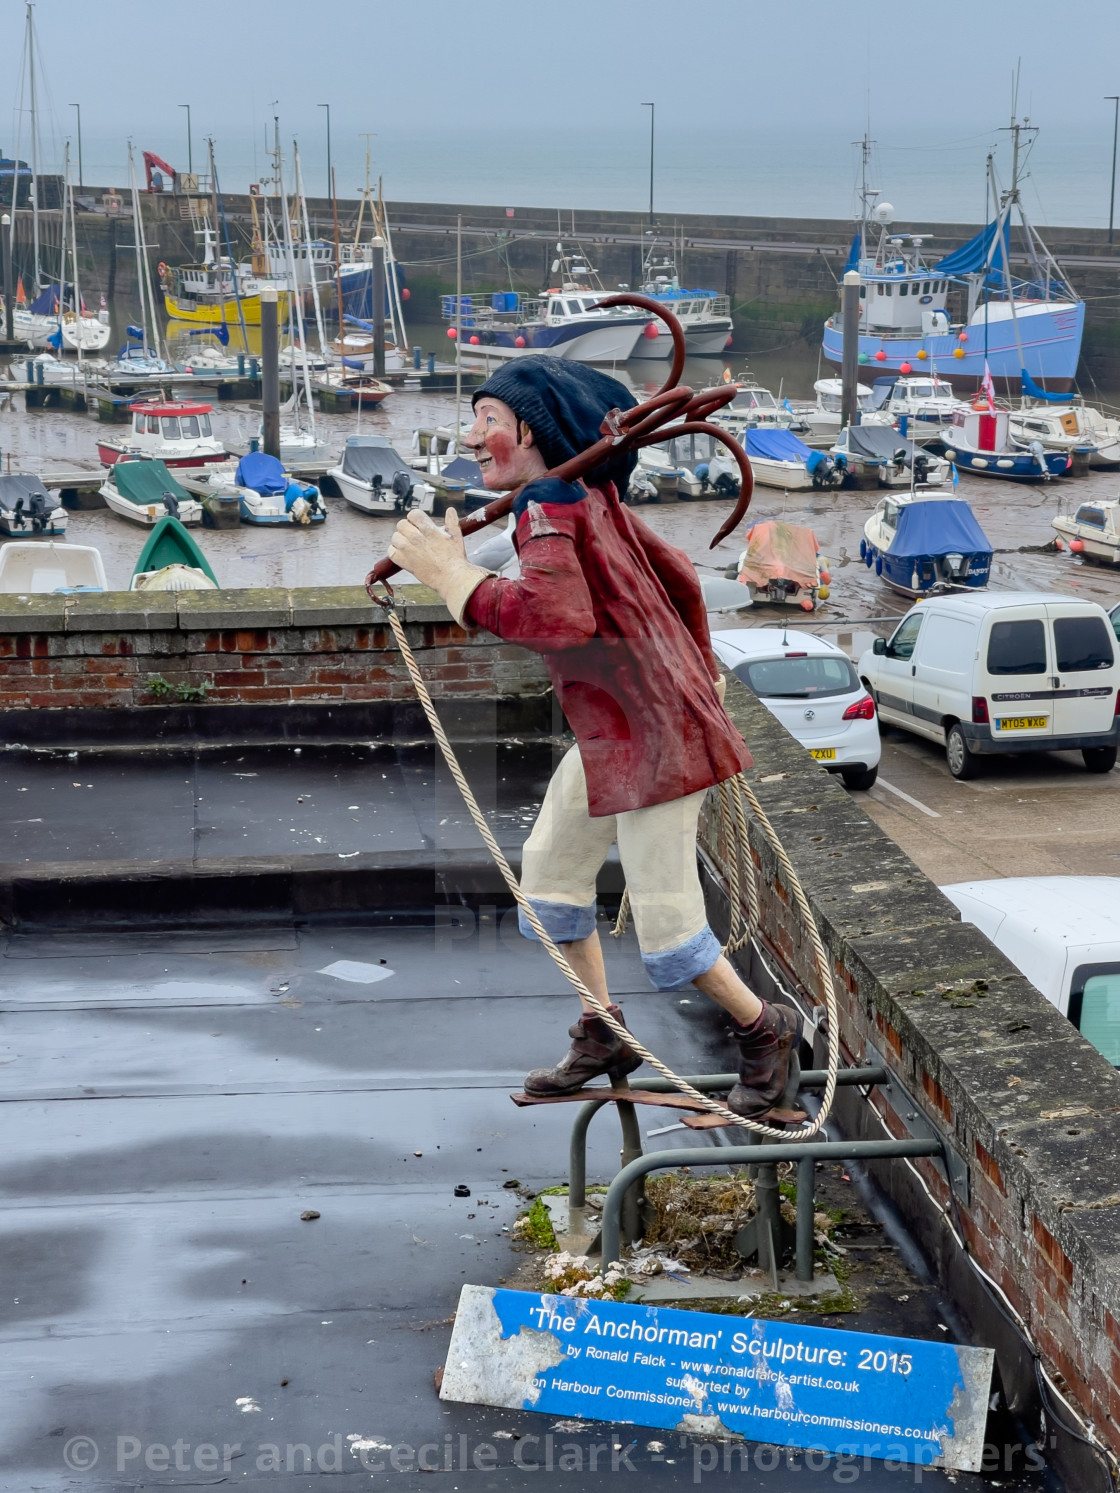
(823, 754)
(1022, 723)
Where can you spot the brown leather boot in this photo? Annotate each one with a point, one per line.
(765, 1050)
(595, 1049)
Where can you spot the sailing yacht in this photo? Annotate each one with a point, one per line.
(966, 309)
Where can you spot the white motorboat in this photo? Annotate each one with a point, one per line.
(371, 476)
(562, 321)
(1092, 529)
(174, 432)
(779, 459)
(56, 373)
(704, 315)
(824, 419)
(27, 508)
(144, 491)
(880, 456)
(1088, 435)
(31, 567)
(754, 406)
(926, 402)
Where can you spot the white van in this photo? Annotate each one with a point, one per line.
(1018, 671)
(1063, 933)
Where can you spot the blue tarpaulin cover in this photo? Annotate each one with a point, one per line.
(777, 445)
(852, 261)
(1032, 389)
(940, 527)
(973, 256)
(261, 472)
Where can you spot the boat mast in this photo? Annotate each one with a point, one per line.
(310, 258)
(396, 309)
(136, 242)
(34, 145)
(338, 281)
(62, 247)
(295, 304)
(459, 327)
(78, 309)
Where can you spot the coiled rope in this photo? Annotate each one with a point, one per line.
(734, 824)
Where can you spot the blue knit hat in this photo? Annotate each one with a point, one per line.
(563, 403)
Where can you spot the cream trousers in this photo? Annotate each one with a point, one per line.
(657, 847)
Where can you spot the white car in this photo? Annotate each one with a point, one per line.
(1063, 934)
(812, 687)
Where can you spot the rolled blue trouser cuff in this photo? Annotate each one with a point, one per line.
(672, 969)
(563, 922)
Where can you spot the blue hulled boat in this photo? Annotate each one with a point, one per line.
(921, 544)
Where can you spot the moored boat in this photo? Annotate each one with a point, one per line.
(979, 442)
(371, 476)
(38, 566)
(1090, 437)
(923, 545)
(704, 315)
(27, 508)
(174, 432)
(172, 561)
(881, 456)
(269, 495)
(1093, 529)
(779, 459)
(144, 491)
(782, 565)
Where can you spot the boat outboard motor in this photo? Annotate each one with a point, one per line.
(402, 490)
(171, 503)
(823, 470)
(899, 458)
(921, 468)
(1038, 451)
(641, 488)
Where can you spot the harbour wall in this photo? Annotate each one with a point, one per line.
(781, 273)
(1028, 1110)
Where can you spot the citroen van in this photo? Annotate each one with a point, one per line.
(985, 673)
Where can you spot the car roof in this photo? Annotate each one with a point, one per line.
(766, 642)
(983, 601)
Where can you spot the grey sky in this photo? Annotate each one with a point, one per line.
(501, 101)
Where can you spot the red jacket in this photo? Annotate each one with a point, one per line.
(619, 617)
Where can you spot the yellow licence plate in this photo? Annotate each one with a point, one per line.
(823, 754)
(1022, 723)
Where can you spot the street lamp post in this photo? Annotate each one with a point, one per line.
(330, 173)
(652, 112)
(6, 230)
(190, 152)
(1114, 99)
(81, 182)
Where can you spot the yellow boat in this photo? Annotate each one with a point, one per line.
(204, 295)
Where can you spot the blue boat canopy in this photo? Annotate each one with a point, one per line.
(974, 255)
(852, 261)
(262, 473)
(1031, 389)
(943, 526)
(775, 445)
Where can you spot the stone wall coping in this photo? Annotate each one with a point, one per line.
(191, 611)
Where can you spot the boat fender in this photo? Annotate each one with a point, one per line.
(878, 564)
(863, 550)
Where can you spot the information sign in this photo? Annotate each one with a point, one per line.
(900, 1399)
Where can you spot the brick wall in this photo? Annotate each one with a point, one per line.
(1031, 1108)
(124, 651)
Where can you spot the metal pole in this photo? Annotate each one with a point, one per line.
(806, 1211)
(378, 307)
(1114, 98)
(81, 182)
(652, 113)
(849, 367)
(190, 150)
(767, 1154)
(6, 234)
(330, 173)
(270, 371)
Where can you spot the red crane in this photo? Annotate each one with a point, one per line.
(153, 161)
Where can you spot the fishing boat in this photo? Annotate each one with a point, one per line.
(270, 496)
(30, 567)
(779, 459)
(880, 456)
(372, 477)
(562, 321)
(704, 315)
(174, 432)
(172, 561)
(144, 491)
(1093, 530)
(926, 403)
(216, 291)
(27, 508)
(782, 565)
(979, 441)
(967, 309)
(923, 545)
(1090, 437)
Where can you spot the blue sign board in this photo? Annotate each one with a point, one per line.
(900, 1399)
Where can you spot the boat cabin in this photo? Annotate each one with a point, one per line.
(1056, 427)
(900, 294)
(155, 425)
(905, 394)
(981, 429)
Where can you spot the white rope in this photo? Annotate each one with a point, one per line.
(739, 847)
